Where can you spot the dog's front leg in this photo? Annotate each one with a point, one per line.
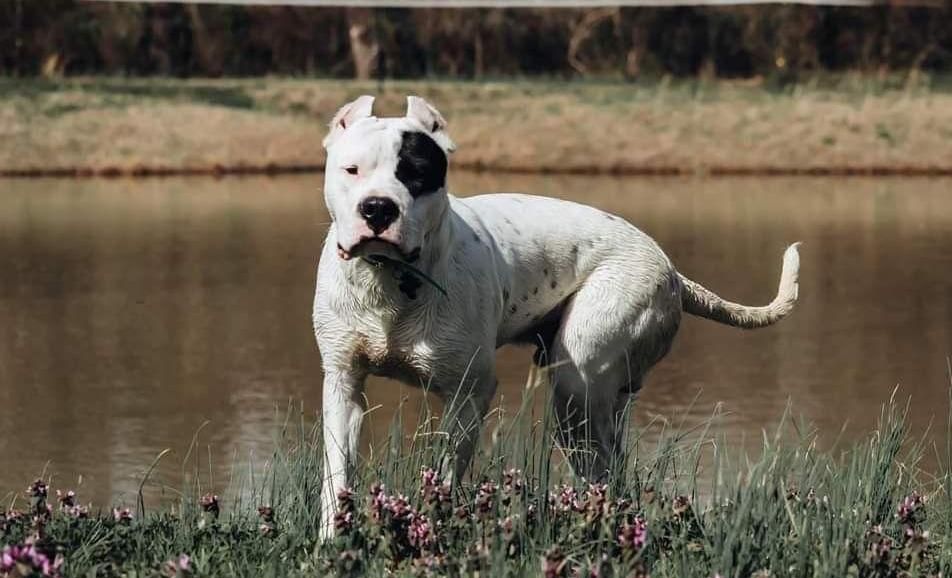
(344, 405)
(465, 410)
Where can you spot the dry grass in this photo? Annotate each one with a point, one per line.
(120, 124)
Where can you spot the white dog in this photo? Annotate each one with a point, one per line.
(597, 296)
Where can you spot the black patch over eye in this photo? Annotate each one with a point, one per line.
(421, 164)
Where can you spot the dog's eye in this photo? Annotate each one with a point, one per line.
(351, 170)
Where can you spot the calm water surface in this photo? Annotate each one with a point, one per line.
(133, 311)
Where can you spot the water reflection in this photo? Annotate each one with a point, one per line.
(133, 311)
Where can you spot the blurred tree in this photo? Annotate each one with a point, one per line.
(779, 41)
(364, 44)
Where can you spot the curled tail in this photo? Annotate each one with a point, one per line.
(698, 300)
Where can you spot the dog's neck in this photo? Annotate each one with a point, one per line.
(389, 286)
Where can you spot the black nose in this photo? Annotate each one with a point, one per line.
(379, 212)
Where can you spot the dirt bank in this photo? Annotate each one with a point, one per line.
(116, 127)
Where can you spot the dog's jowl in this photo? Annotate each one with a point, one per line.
(418, 285)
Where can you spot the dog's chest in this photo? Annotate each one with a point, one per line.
(396, 350)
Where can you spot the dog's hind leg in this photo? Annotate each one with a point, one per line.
(609, 338)
(589, 419)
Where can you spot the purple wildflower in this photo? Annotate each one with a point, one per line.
(435, 492)
(267, 526)
(27, 560)
(210, 504)
(399, 507)
(421, 534)
(344, 518)
(178, 567)
(79, 512)
(595, 503)
(266, 513)
(565, 499)
(632, 536)
(184, 562)
(681, 505)
(66, 499)
(909, 508)
(343, 522)
(485, 497)
(68, 505)
(8, 519)
(345, 499)
(378, 501)
(880, 547)
(122, 515)
(429, 477)
(532, 510)
(38, 489)
(512, 485)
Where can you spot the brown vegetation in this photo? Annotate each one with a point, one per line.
(151, 127)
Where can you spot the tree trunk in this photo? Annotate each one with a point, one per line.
(364, 44)
(581, 30)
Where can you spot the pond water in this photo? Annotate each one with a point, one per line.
(133, 311)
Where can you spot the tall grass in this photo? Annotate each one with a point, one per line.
(684, 505)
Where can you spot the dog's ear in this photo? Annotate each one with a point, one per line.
(347, 116)
(432, 121)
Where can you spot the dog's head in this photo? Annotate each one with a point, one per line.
(385, 178)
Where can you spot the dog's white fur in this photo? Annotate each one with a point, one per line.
(513, 266)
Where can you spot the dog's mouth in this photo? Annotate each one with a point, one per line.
(372, 246)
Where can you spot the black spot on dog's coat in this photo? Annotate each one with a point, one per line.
(409, 285)
(421, 164)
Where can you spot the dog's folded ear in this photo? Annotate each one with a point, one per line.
(432, 121)
(348, 114)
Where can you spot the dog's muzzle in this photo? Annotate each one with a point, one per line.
(371, 246)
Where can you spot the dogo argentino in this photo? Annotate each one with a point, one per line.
(597, 296)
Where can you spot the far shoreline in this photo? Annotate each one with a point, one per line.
(276, 170)
(161, 127)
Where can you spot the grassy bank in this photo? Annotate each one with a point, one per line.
(686, 507)
(124, 126)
